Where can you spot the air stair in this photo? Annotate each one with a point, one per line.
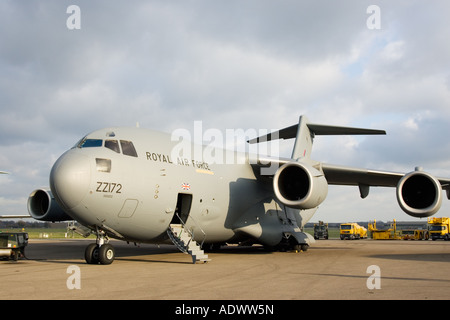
(184, 241)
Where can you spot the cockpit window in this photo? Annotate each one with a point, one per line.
(90, 143)
(128, 148)
(113, 145)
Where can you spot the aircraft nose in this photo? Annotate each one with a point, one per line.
(70, 178)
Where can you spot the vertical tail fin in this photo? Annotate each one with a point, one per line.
(303, 140)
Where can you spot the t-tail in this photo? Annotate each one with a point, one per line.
(300, 182)
(304, 133)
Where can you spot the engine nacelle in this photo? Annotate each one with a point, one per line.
(298, 185)
(419, 194)
(42, 206)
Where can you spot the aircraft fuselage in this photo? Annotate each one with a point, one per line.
(130, 183)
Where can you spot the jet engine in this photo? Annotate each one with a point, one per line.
(419, 194)
(43, 206)
(298, 185)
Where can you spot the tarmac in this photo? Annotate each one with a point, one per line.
(330, 269)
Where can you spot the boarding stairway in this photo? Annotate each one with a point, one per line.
(183, 239)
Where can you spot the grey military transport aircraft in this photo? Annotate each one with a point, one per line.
(129, 184)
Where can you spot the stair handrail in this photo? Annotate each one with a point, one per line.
(176, 239)
(198, 226)
(190, 231)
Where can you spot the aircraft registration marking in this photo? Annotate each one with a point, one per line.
(109, 187)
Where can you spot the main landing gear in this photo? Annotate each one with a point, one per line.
(290, 243)
(100, 252)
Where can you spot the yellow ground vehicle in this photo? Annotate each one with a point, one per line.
(439, 228)
(384, 234)
(417, 234)
(352, 231)
(407, 235)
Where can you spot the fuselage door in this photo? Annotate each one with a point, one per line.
(183, 208)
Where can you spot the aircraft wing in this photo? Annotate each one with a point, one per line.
(350, 176)
(341, 175)
(361, 177)
(337, 174)
(11, 216)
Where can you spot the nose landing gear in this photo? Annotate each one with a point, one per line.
(100, 252)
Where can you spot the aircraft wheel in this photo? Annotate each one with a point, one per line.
(106, 254)
(15, 255)
(91, 254)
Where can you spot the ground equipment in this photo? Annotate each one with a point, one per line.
(439, 228)
(321, 230)
(352, 231)
(12, 244)
(384, 234)
(414, 234)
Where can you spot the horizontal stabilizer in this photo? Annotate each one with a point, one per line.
(316, 129)
(319, 129)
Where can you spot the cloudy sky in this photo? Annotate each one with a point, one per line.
(231, 64)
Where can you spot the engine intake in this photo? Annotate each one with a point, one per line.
(419, 194)
(298, 185)
(42, 206)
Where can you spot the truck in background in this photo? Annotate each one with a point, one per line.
(439, 228)
(320, 230)
(352, 231)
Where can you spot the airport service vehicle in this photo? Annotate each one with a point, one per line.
(144, 186)
(352, 231)
(320, 230)
(12, 244)
(439, 228)
(384, 234)
(414, 234)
